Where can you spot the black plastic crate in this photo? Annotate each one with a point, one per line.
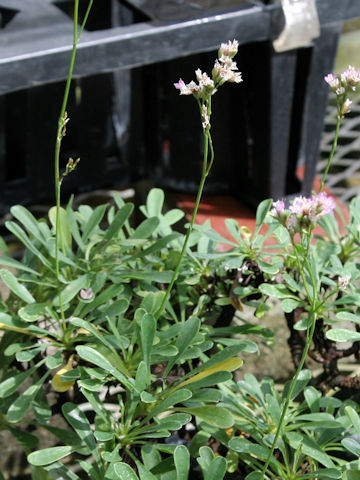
(127, 121)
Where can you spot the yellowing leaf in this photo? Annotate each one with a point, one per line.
(227, 365)
(84, 331)
(61, 385)
(14, 329)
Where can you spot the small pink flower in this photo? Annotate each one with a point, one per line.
(333, 81)
(278, 208)
(313, 208)
(351, 77)
(185, 89)
(301, 206)
(180, 84)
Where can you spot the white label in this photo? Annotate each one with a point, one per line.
(301, 25)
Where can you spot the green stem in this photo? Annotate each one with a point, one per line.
(291, 390)
(309, 337)
(205, 171)
(333, 148)
(59, 137)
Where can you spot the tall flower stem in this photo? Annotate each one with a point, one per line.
(59, 136)
(309, 337)
(206, 166)
(333, 148)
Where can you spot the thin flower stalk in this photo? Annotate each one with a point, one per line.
(305, 212)
(225, 70)
(347, 82)
(61, 130)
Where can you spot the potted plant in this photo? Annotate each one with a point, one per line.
(111, 325)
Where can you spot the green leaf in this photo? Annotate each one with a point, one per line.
(17, 288)
(261, 213)
(156, 247)
(267, 267)
(155, 202)
(301, 382)
(352, 475)
(74, 227)
(150, 456)
(65, 436)
(289, 304)
(18, 409)
(217, 469)
(199, 440)
(348, 316)
(72, 289)
(354, 417)
(141, 378)
(228, 365)
(351, 445)
(24, 239)
(93, 356)
(205, 458)
(79, 322)
(94, 220)
(291, 282)
(187, 334)
(277, 291)
(147, 335)
(65, 237)
(182, 462)
(11, 384)
(49, 455)
(32, 312)
(161, 277)
(144, 473)
(242, 445)
(81, 425)
(174, 398)
(309, 447)
(207, 380)
(213, 235)
(342, 335)
(11, 262)
(16, 325)
(146, 228)
(60, 472)
(26, 440)
(351, 299)
(213, 415)
(324, 473)
(28, 220)
(124, 472)
(207, 395)
(147, 397)
(101, 299)
(120, 218)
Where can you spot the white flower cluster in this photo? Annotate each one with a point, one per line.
(225, 70)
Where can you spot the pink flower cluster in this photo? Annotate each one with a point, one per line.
(225, 70)
(348, 80)
(303, 211)
(313, 208)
